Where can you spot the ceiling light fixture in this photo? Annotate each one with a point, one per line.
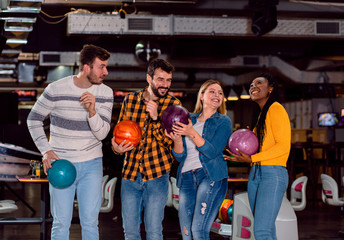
(244, 94)
(232, 96)
(146, 51)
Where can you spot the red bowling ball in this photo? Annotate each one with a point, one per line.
(226, 211)
(172, 114)
(245, 140)
(127, 130)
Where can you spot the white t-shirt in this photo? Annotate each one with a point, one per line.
(192, 161)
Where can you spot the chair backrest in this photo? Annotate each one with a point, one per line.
(104, 180)
(298, 193)
(175, 193)
(169, 195)
(109, 193)
(330, 191)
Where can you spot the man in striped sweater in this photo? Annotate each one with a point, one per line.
(80, 109)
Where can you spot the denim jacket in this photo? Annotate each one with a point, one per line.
(216, 132)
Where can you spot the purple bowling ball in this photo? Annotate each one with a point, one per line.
(172, 114)
(245, 140)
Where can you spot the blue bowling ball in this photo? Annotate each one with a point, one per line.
(230, 213)
(62, 173)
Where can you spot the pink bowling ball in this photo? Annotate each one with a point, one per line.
(245, 140)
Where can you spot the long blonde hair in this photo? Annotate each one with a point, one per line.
(205, 85)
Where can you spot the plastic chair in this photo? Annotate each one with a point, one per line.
(169, 195)
(104, 180)
(109, 193)
(329, 192)
(243, 221)
(175, 193)
(298, 193)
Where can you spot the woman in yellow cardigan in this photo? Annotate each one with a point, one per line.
(268, 179)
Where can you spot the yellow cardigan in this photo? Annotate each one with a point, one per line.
(277, 140)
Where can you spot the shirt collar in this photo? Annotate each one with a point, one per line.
(140, 94)
(216, 114)
(141, 98)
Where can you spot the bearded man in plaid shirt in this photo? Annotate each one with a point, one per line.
(145, 174)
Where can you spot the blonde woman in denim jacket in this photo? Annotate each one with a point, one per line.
(202, 173)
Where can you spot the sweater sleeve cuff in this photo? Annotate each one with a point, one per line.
(156, 121)
(254, 158)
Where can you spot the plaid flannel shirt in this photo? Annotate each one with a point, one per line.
(152, 157)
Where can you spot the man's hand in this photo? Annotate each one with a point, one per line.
(152, 109)
(89, 102)
(124, 146)
(47, 157)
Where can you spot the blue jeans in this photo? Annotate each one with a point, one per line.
(199, 203)
(266, 188)
(87, 185)
(150, 195)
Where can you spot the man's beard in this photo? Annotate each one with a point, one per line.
(156, 91)
(92, 78)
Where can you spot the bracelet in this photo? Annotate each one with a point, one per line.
(115, 152)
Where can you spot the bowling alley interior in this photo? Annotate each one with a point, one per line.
(299, 42)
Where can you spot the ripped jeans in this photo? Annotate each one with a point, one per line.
(199, 203)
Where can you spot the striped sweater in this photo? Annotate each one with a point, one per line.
(73, 135)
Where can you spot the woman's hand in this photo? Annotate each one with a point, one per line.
(174, 136)
(177, 140)
(241, 157)
(184, 129)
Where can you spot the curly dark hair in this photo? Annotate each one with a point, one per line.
(259, 115)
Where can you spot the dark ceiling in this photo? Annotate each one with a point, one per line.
(52, 37)
(301, 55)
